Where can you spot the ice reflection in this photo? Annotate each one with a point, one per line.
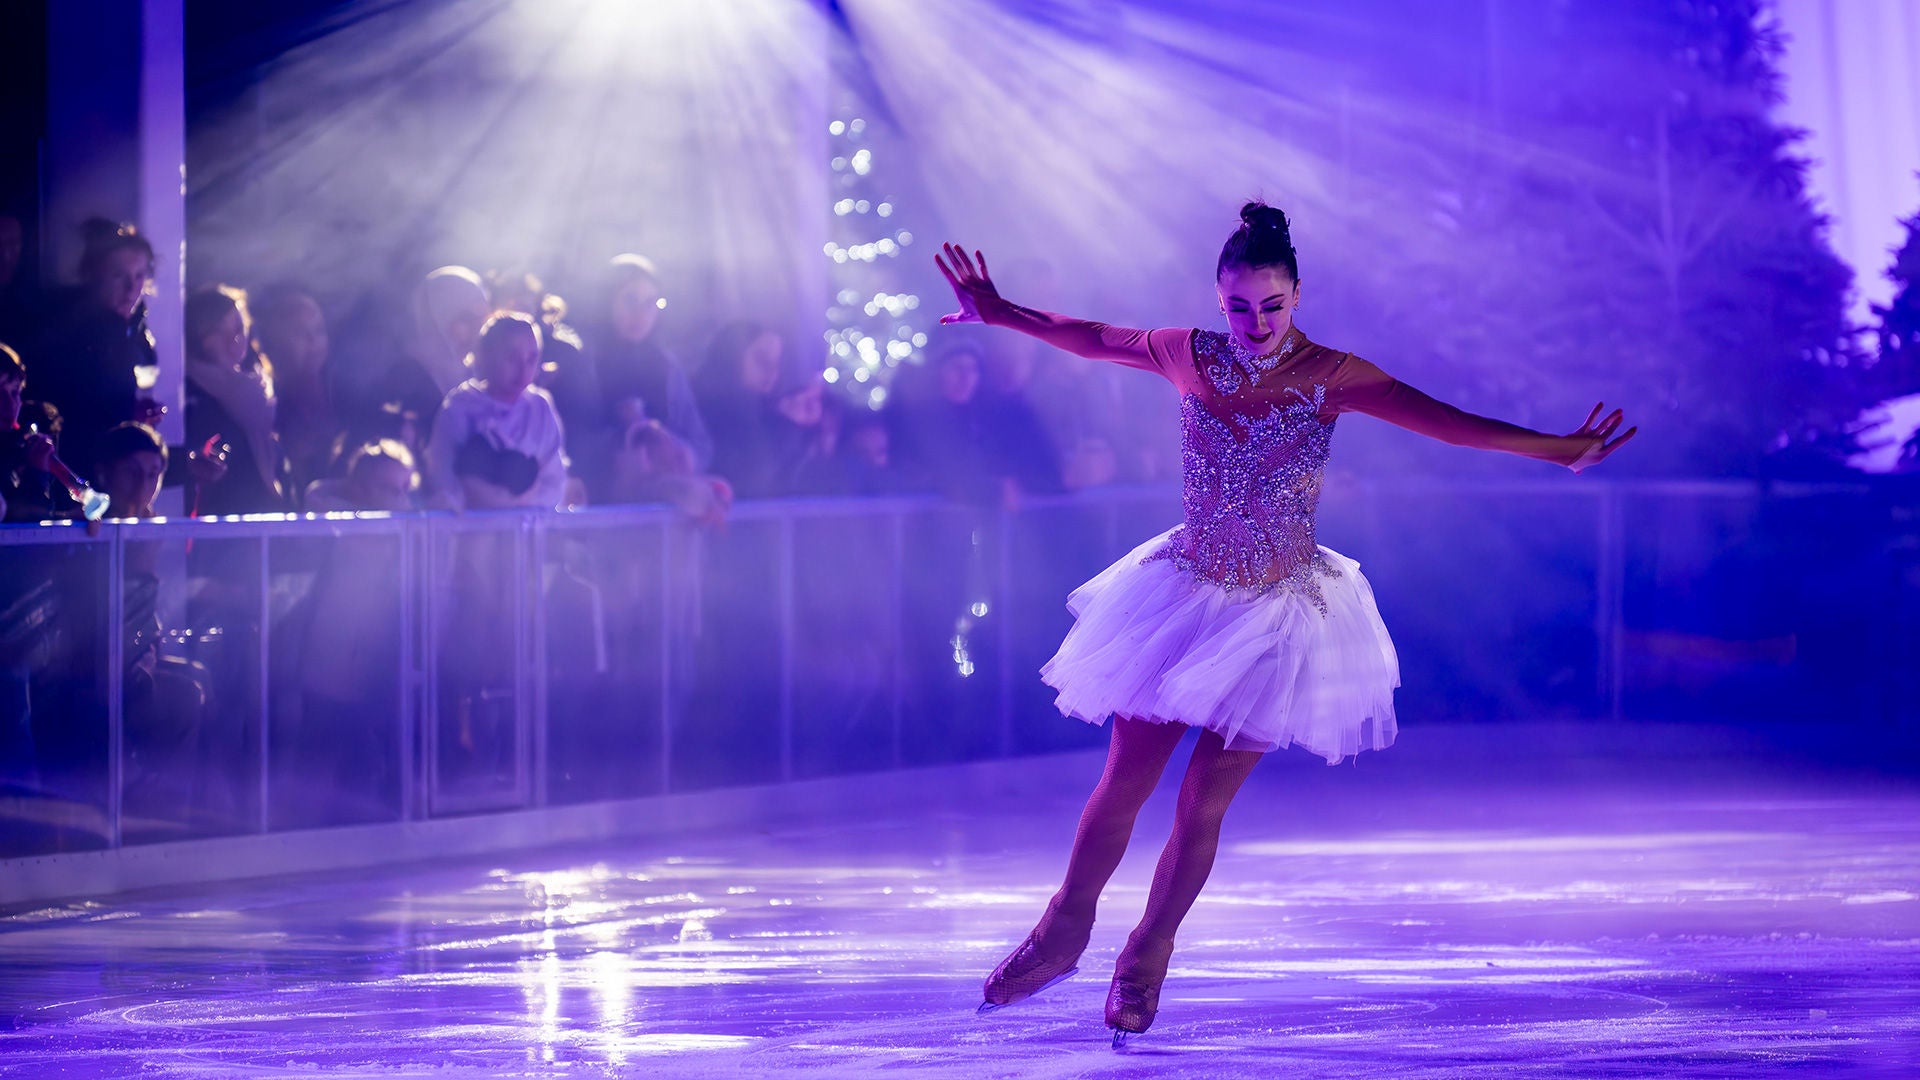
(1775, 931)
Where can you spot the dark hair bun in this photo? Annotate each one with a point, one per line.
(1264, 238)
(1258, 215)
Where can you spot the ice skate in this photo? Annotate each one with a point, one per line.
(1049, 955)
(1134, 998)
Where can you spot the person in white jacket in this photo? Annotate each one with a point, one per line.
(498, 441)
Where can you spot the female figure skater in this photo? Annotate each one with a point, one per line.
(1236, 621)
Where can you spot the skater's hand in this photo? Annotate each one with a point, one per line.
(971, 285)
(1594, 440)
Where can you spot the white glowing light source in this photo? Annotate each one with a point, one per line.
(837, 128)
(920, 341)
(862, 161)
(885, 209)
(857, 126)
(844, 207)
(832, 375)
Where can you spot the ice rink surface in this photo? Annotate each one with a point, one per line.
(1550, 916)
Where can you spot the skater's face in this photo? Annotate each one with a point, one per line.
(1259, 302)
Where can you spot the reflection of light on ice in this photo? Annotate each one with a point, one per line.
(1454, 844)
(1890, 896)
(1509, 933)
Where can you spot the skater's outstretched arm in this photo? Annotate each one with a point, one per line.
(1364, 388)
(981, 302)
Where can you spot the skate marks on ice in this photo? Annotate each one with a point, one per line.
(1622, 929)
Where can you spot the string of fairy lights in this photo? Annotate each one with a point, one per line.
(871, 327)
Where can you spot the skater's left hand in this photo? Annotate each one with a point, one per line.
(1595, 439)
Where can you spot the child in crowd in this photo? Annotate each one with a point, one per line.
(654, 466)
(498, 440)
(133, 461)
(27, 491)
(380, 475)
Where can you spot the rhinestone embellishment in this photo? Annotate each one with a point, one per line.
(1230, 366)
(1251, 486)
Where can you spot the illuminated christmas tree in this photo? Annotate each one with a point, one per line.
(875, 324)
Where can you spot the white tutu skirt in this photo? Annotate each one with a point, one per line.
(1154, 642)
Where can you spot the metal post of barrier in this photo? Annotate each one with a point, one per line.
(116, 680)
(1003, 613)
(406, 720)
(430, 664)
(786, 647)
(1610, 625)
(522, 679)
(665, 607)
(263, 645)
(896, 633)
(538, 662)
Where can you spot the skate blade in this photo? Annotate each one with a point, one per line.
(988, 1006)
(1120, 1039)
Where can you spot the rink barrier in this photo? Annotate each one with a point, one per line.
(425, 792)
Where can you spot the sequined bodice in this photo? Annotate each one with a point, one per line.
(1251, 482)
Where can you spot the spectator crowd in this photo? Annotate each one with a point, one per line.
(477, 392)
(489, 391)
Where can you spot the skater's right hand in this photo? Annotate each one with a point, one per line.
(971, 285)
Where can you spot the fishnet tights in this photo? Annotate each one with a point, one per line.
(1136, 757)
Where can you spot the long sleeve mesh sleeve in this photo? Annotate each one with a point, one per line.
(1162, 351)
(1364, 388)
